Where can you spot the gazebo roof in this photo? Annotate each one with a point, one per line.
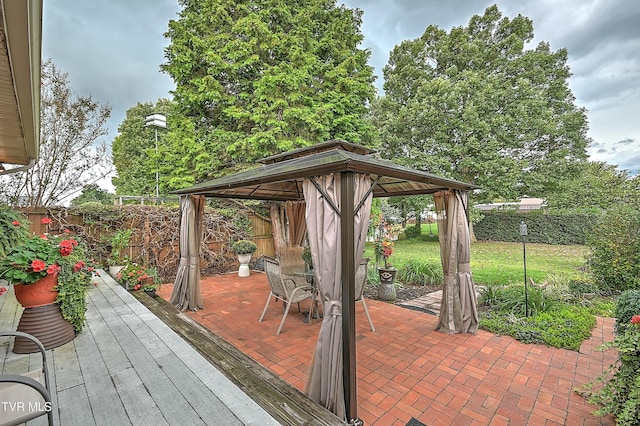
(280, 176)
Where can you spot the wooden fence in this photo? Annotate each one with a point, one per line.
(146, 245)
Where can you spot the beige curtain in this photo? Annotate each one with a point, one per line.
(458, 309)
(186, 290)
(295, 211)
(325, 380)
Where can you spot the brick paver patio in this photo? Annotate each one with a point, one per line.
(406, 369)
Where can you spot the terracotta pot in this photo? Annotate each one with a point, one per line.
(40, 293)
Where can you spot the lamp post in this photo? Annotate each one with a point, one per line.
(156, 120)
(523, 234)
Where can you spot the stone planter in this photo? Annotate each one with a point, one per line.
(113, 271)
(387, 289)
(244, 259)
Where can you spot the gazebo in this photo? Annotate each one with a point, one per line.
(337, 180)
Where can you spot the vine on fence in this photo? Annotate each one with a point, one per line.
(156, 233)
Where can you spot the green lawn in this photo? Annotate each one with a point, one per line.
(498, 262)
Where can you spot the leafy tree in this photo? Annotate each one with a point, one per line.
(258, 77)
(473, 104)
(179, 159)
(597, 184)
(615, 250)
(70, 156)
(92, 193)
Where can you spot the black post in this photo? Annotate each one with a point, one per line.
(523, 233)
(348, 297)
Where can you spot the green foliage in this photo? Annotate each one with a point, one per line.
(542, 227)
(628, 305)
(412, 231)
(135, 156)
(261, 77)
(92, 193)
(419, 273)
(563, 326)
(72, 289)
(12, 229)
(597, 184)
(619, 393)
(119, 241)
(474, 105)
(615, 250)
(511, 299)
(244, 247)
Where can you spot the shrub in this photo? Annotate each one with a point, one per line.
(615, 250)
(244, 247)
(418, 273)
(628, 305)
(620, 392)
(412, 232)
(511, 299)
(544, 227)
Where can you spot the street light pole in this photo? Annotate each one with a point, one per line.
(156, 120)
(523, 233)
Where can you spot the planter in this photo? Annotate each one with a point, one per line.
(244, 260)
(113, 271)
(387, 289)
(41, 317)
(150, 293)
(40, 293)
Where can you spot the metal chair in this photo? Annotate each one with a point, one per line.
(26, 396)
(285, 288)
(361, 281)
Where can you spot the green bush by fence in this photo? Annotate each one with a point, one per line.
(542, 227)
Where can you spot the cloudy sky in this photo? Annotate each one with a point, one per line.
(113, 50)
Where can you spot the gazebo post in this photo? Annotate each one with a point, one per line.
(348, 296)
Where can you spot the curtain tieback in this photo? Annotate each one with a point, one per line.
(189, 261)
(464, 267)
(333, 307)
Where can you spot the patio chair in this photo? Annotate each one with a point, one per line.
(286, 289)
(25, 396)
(361, 282)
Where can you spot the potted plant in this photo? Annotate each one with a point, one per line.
(150, 289)
(119, 241)
(387, 274)
(133, 276)
(51, 273)
(244, 249)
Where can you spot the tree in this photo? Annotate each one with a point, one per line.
(260, 77)
(598, 185)
(69, 156)
(92, 193)
(180, 159)
(472, 104)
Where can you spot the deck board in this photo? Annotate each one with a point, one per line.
(128, 367)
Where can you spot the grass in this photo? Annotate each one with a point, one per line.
(498, 262)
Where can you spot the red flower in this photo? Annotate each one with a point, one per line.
(66, 247)
(2, 290)
(73, 242)
(15, 223)
(43, 236)
(45, 221)
(137, 286)
(38, 265)
(78, 266)
(53, 269)
(635, 319)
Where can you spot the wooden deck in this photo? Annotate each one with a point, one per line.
(129, 367)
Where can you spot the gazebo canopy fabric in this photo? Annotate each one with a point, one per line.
(337, 180)
(280, 177)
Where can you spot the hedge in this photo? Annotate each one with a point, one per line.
(542, 227)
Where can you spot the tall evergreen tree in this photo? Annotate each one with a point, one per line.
(259, 77)
(473, 104)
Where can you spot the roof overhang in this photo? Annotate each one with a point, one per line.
(20, 61)
(280, 177)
